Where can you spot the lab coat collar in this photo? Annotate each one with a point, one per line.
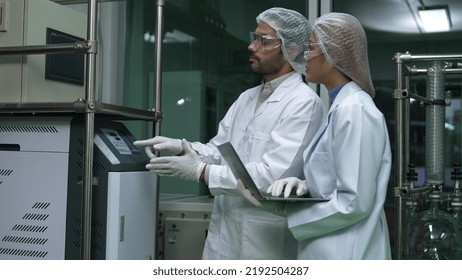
(344, 93)
(333, 93)
(278, 94)
(293, 80)
(275, 83)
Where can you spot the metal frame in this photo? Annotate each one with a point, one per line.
(89, 106)
(402, 120)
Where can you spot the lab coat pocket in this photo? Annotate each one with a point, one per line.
(321, 177)
(259, 142)
(263, 236)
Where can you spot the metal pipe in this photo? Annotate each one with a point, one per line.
(158, 60)
(400, 150)
(157, 100)
(453, 71)
(407, 57)
(417, 71)
(70, 2)
(404, 112)
(77, 47)
(89, 132)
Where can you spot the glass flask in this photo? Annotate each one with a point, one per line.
(433, 234)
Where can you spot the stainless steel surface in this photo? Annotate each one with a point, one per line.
(158, 88)
(158, 61)
(78, 47)
(89, 131)
(400, 103)
(429, 57)
(69, 2)
(103, 110)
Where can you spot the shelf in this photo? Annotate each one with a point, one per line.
(102, 110)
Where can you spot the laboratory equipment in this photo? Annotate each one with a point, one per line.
(425, 228)
(41, 190)
(433, 234)
(456, 200)
(183, 222)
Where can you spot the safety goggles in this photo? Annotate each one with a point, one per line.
(310, 53)
(262, 41)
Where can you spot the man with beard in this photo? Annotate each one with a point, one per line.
(270, 126)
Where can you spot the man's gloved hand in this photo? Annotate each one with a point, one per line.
(247, 194)
(160, 143)
(276, 207)
(288, 185)
(187, 166)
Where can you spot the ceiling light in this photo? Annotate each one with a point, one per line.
(435, 18)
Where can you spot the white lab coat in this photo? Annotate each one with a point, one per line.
(270, 142)
(348, 161)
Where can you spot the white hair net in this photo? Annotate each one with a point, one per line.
(344, 44)
(294, 31)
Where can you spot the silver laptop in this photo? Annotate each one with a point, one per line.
(240, 172)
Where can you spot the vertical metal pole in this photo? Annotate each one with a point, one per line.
(89, 131)
(400, 144)
(158, 94)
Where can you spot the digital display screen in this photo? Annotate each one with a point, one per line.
(66, 67)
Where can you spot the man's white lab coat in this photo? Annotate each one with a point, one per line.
(270, 141)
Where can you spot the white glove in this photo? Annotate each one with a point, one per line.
(288, 185)
(187, 166)
(275, 207)
(160, 143)
(247, 194)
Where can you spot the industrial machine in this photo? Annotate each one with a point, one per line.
(41, 190)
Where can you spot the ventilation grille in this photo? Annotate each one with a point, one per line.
(28, 128)
(34, 234)
(5, 172)
(96, 237)
(96, 165)
(41, 205)
(29, 228)
(23, 253)
(35, 217)
(25, 240)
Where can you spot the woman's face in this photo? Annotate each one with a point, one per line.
(315, 61)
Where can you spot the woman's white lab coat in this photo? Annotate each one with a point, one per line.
(270, 142)
(348, 161)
